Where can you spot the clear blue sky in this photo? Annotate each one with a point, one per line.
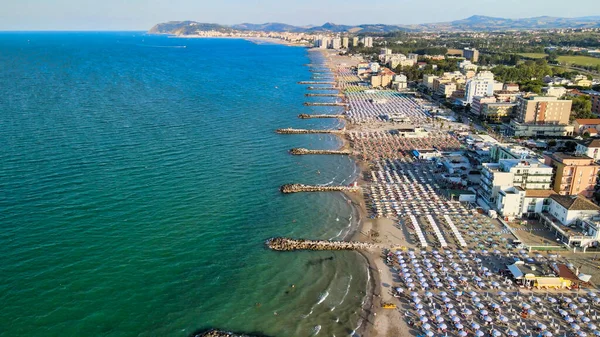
(143, 14)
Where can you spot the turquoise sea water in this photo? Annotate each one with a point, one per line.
(139, 180)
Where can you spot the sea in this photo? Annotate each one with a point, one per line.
(139, 180)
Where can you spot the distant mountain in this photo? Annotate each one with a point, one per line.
(473, 23)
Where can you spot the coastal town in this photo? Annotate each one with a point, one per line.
(479, 196)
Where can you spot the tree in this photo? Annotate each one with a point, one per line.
(582, 107)
(570, 146)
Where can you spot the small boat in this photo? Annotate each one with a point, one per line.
(389, 306)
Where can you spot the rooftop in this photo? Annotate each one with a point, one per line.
(539, 193)
(568, 156)
(592, 121)
(577, 203)
(591, 143)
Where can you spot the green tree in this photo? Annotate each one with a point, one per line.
(582, 107)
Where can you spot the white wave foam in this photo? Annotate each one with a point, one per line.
(316, 329)
(347, 290)
(323, 297)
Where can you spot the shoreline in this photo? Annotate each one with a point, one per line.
(255, 40)
(371, 306)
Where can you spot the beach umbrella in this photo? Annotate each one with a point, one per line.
(416, 300)
(503, 319)
(446, 300)
(472, 293)
(536, 299)
(592, 326)
(501, 293)
(505, 299)
(597, 333)
(462, 333)
(449, 305)
(439, 319)
(443, 326)
(496, 333)
(479, 305)
(575, 326)
(513, 333)
(531, 312)
(452, 312)
(596, 299)
(414, 294)
(426, 326)
(592, 294)
(582, 334)
(567, 300)
(495, 306)
(467, 312)
(495, 284)
(488, 319)
(551, 299)
(455, 319)
(437, 312)
(429, 333)
(419, 306)
(572, 306)
(424, 319)
(421, 312)
(542, 326)
(585, 319)
(569, 319)
(475, 326)
(526, 305)
(429, 294)
(458, 293)
(547, 334)
(579, 313)
(582, 300)
(479, 333)
(484, 312)
(476, 299)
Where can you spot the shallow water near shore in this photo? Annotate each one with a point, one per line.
(139, 180)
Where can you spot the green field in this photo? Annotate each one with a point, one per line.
(580, 60)
(533, 55)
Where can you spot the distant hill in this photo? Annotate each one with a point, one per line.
(473, 23)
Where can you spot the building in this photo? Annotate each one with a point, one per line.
(506, 96)
(590, 148)
(510, 151)
(554, 91)
(446, 89)
(526, 174)
(478, 102)
(467, 65)
(595, 103)
(355, 41)
(368, 42)
(336, 43)
(345, 42)
(428, 80)
(574, 174)
(497, 112)
(511, 87)
(540, 276)
(471, 54)
(395, 61)
(413, 56)
(480, 85)
(541, 116)
(582, 81)
(400, 82)
(382, 79)
(581, 125)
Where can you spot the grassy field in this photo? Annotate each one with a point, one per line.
(533, 55)
(579, 60)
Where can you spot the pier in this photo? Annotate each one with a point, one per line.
(285, 244)
(290, 131)
(295, 188)
(323, 95)
(302, 151)
(307, 116)
(316, 82)
(323, 88)
(320, 71)
(325, 104)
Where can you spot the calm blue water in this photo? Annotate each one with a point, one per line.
(139, 180)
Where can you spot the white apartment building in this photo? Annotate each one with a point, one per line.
(527, 174)
(368, 42)
(480, 85)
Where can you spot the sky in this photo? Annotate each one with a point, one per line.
(143, 14)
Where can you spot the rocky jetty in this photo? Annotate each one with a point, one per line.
(324, 95)
(218, 333)
(303, 151)
(307, 116)
(295, 188)
(317, 82)
(325, 104)
(290, 131)
(323, 88)
(286, 244)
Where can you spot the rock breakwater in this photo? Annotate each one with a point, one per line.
(307, 116)
(286, 244)
(303, 151)
(290, 131)
(295, 188)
